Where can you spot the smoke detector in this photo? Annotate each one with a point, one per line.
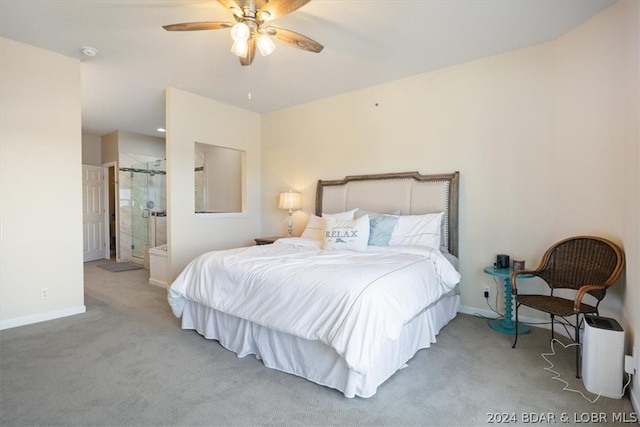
(88, 51)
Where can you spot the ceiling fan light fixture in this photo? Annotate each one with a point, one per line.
(249, 32)
(265, 45)
(240, 32)
(240, 48)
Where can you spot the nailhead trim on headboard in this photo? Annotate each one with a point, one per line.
(450, 181)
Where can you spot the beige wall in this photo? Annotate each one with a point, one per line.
(109, 147)
(192, 118)
(592, 90)
(222, 179)
(632, 189)
(629, 14)
(40, 185)
(91, 150)
(542, 136)
(435, 122)
(134, 143)
(117, 142)
(597, 133)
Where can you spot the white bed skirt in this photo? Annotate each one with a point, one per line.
(314, 360)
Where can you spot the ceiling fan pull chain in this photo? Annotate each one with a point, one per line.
(249, 94)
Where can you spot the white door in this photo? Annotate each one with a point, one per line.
(93, 213)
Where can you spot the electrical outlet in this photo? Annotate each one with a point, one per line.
(629, 365)
(486, 292)
(44, 293)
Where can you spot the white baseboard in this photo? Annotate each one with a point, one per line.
(531, 321)
(156, 282)
(635, 400)
(41, 317)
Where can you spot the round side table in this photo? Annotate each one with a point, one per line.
(506, 325)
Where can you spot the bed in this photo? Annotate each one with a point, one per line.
(371, 281)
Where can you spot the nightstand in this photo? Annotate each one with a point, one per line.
(506, 325)
(266, 240)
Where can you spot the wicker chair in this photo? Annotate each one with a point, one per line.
(585, 264)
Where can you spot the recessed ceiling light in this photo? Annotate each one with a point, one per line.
(88, 51)
(161, 130)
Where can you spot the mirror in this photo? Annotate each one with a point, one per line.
(219, 173)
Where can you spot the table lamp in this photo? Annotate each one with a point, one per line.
(290, 200)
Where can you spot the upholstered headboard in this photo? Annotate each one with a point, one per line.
(408, 192)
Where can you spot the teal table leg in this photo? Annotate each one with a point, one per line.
(507, 325)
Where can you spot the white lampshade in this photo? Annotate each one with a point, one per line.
(290, 200)
(240, 32)
(240, 48)
(265, 44)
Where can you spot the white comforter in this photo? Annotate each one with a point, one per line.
(351, 301)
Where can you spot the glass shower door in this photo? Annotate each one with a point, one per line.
(148, 206)
(157, 194)
(140, 211)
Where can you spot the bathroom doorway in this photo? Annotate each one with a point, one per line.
(142, 208)
(149, 211)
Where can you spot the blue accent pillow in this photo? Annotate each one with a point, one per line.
(381, 227)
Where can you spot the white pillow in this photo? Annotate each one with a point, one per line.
(314, 229)
(341, 215)
(352, 235)
(316, 225)
(418, 230)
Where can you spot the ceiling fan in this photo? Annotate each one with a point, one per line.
(250, 31)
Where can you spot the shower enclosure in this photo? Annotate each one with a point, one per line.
(142, 208)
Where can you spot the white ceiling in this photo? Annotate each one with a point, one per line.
(367, 42)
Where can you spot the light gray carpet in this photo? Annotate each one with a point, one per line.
(127, 362)
(117, 267)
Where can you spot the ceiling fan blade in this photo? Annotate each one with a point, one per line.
(197, 26)
(275, 9)
(294, 39)
(251, 53)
